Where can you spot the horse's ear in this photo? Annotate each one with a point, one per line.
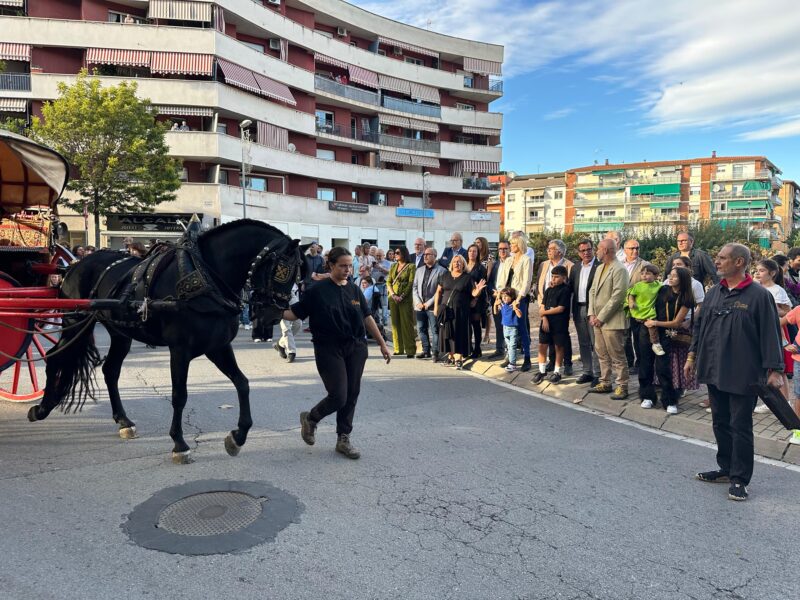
(304, 247)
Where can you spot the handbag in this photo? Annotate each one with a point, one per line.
(679, 337)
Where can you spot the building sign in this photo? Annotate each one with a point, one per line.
(417, 213)
(351, 207)
(163, 222)
(480, 216)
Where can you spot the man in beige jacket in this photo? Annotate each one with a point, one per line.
(606, 315)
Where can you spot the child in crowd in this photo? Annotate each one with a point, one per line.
(510, 316)
(554, 327)
(793, 318)
(642, 303)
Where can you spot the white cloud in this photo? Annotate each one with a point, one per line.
(788, 128)
(559, 114)
(721, 64)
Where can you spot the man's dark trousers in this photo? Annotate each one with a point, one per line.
(732, 415)
(500, 342)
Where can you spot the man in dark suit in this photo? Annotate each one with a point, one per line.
(580, 281)
(456, 247)
(419, 253)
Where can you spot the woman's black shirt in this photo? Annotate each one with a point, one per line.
(336, 313)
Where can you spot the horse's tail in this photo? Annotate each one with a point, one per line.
(74, 367)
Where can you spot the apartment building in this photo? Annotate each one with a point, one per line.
(536, 203)
(743, 189)
(348, 126)
(789, 209)
(497, 203)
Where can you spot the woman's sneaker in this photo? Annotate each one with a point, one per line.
(511, 368)
(795, 439)
(647, 403)
(658, 349)
(761, 409)
(672, 409)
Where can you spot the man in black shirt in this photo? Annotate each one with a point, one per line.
(702, 265)
(339, 317)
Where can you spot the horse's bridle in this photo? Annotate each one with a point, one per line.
(283, 268)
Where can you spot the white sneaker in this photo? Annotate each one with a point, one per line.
(795, 439)
(761, 409)
(647, 404)
(269, 340)
(672, 409)
(511, 368)
(248, 327)
(658, 349)
(257, 340)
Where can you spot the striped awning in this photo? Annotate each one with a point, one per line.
(273, 136)
(364, 77)
(9, 51)
(185, 111)
(284, 54)
(117, 56)
(397, 158)
(479, 166)
(327, 60)
(482, 131)
(387, 82)
(219, 18)
(180, 10)
(14, 3)
(238, 76)
(423, 125)
(182, 63)
(425, 161)
(13, 105)
(486, 67)
(274, 89)
(397, 44)
(424, 92)
(394, 120)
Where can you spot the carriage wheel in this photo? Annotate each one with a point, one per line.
(20, 380)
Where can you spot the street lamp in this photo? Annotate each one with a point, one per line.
(245, 134)
(425, 194)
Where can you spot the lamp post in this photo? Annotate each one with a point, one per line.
(245, 134)
(425, 194)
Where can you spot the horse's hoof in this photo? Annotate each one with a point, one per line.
(231, 447)
(182, 458)
(32, 414)
(127, 433)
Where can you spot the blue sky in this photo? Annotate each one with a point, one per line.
(632, 80)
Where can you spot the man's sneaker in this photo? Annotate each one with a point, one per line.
(511, 368)
(713, 477)
(601, 388)
(646, 403)
(555, 377)
(307, 428)
(505, 363)
(248, 327)
(568, 370)
(279, 349)
(658, 349)
(257, 340)
(343, 446)
(761, 409)
(290, 357)
(737, 492)
(526, 365)
(585, 378)
(620, 393)
(672, 409)
(795, 438)
(538, 378)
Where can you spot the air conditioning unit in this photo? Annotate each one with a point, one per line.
(275, 2)
(275, 43)
(397, 51)
(291, 147)
(341, 31)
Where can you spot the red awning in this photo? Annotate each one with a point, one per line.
(387, 82)
(420, 125)
(115, 56)
(481, 131)
(182, 63)
(424, 92)
(185, 111)
(406, 46)
(10, 51)
(394, 121)
(364, 77)
(425, 161)
(238, 76)
(397, 158)
(327, 60)
(273, 136)
(479, 166)
(486, 67)
(274, 89)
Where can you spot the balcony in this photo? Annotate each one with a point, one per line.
(324, 84)
(482, 84)
(479, 183)
(373, 137)
(409, 106)
(653, 180)
(15, 82)
(742, 195)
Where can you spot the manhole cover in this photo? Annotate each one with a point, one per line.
(211, 513)
(212, 517)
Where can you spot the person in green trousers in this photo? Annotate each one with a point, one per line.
(399, 285)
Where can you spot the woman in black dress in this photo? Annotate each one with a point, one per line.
(477, 312)
(452, 307)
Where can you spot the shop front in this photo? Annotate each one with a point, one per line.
(147, 228)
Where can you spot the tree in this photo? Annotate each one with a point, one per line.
(114, 144)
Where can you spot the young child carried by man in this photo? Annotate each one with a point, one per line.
(642, 303)
(554, 326)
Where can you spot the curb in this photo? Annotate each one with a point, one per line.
(630, 410)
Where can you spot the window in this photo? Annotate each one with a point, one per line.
(559, 195)
(462, 106)
(510, 215)
(118, 17)
(468, 81)
(694, 190)
(354, 159)
(510, 198)
(326, 154)
(354, 44)
(254, 46)
(354, 196)
(223, 176)
(184, 176)
(327, 194)
(415, 61)
(327, 34)
(696, 171)
(558, 213)
(324, 120)
(607, 213)
(381, 52)
(257, 183)
(222, 128)
(533, 214)
(579, 214)
(738, 171)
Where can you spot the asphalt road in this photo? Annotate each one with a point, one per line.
(466, 489)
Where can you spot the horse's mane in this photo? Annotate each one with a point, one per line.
(219, 229)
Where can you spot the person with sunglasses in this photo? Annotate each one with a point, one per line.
(736, 343)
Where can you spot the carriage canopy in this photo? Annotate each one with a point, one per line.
(31, 175)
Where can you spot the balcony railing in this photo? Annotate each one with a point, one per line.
(743, 214)
(408, 106)
(478, 183)
(481, 83)
(373, 137)
(653, 180)
(15, 82)
(346, 91)
(748, 195)
(409, 143)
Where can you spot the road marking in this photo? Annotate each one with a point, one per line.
(667, 434)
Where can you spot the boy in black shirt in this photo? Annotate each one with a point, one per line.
(554, 327)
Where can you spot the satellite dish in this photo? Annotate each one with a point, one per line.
(292, 148)
(716, 187)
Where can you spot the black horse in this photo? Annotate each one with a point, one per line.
(186, 297)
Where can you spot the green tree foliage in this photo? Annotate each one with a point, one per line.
(114, 144)
(18, 126)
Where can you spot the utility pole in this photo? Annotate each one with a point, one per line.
(245, 134)
(425, 200)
